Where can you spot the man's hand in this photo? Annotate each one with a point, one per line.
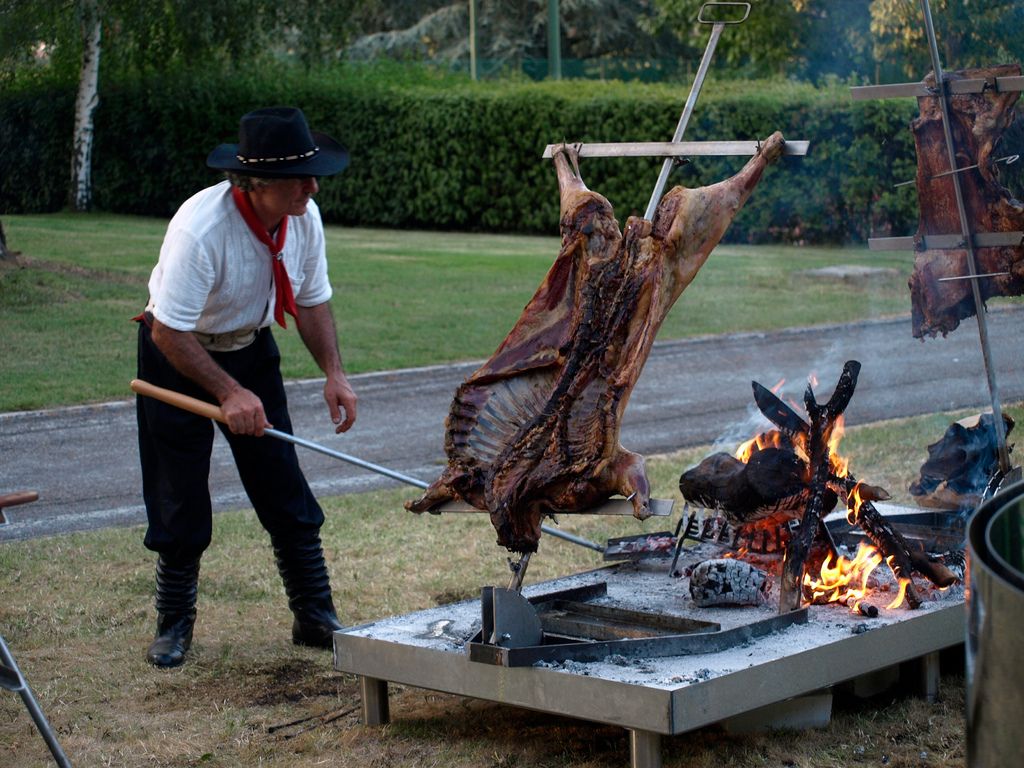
(244, 413)
(242, 409)
(341, 402)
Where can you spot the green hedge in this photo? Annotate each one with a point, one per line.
(447, 153)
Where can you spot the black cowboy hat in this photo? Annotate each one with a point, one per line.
(276, 143)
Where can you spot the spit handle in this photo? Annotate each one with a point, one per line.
(702, 20)
(185, 402)
(211, 411)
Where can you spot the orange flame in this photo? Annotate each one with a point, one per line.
(759, 442)
(839, 465)
(844, 580)
(854, 509)
(904, 582)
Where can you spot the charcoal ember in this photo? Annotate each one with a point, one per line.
(727, 581)
(960, 464)
(956, 561)
(535, 430)
(978, 122)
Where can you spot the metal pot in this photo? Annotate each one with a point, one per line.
(995, 631)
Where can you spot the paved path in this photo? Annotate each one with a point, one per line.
(83, 460)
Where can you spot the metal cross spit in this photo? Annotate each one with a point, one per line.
(677, 148)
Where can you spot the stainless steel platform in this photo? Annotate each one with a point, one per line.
(657, 696)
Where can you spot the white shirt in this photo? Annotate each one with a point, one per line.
(215, 276)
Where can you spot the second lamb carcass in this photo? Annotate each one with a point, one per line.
(535, 430)
(978, 121)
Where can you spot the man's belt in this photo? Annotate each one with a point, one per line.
(230, 341)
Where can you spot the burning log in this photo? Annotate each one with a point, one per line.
(961, 464)
(728, 581)
(823, 423)
(978, 122)
(794, 474)
(905, 559)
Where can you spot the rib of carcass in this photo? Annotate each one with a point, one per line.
(977, 120)
(535, 430)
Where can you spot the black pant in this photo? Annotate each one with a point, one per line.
(175, 447)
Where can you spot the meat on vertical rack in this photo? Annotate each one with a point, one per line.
(535, 430)
(978, 120)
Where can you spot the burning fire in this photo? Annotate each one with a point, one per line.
(844, 581)
(770, 439)
(840, 580)
(775, 439)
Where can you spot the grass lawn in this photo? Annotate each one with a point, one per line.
(402, 299)
(248, 697)
(77, 609)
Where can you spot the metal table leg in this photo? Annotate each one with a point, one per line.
(375, 701)
(928, 673)
(644, 749)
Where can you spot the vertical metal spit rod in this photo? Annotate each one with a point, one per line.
(965, 227)
(691, 100)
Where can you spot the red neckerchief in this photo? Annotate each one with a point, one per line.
(285, 301)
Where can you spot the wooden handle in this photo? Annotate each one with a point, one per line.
(18, 497)
(169, 396)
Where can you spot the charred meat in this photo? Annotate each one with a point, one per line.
(535, 430)
(978, 120)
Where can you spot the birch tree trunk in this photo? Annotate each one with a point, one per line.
(85, 106)
(5, 255)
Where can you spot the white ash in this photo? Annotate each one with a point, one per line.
(648, 587)
(728, 581)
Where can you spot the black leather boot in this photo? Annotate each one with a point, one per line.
(304, 573)
(176, 587)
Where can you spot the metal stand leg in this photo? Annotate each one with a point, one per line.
(644, 749)
(927, 682)
(375, 701)
(12, 679)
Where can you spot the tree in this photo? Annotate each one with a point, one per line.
(809, 39)
(509, 31)
(969, 34)
(85, 106)
(64, 36)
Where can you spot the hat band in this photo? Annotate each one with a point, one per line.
(246, 160)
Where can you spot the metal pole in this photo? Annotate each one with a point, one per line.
(572, 539)
(21, 687)
(691, 100)
(554, 41)
(211, 411)
(965, 227)
(472, 39)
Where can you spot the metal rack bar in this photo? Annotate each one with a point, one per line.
(676, 148)
(956, 87)
(946, 242)
(12, 679)
(691, 100)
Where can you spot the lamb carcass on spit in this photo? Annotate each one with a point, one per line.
(978, 121)
(535, 430)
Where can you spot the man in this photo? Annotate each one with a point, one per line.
(235, 258)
